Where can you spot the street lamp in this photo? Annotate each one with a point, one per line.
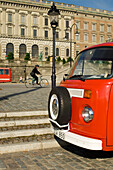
(53, 13)
(77, 33)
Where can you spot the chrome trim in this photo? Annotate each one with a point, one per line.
(79, 140)
(60, 126)
(76, 92)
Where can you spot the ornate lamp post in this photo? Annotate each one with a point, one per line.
(53, 13)
(77, 33)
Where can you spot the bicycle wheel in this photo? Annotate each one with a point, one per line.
(44, 83)
(34, 83)
(28, 82)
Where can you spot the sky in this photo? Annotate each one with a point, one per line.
(100, 4)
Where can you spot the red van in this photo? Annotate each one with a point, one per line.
(81, 107)
(5, 75)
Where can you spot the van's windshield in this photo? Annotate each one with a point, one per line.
(94, 63)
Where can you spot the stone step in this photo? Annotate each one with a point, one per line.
(19, 129)
(23, 115)
(24, 122)
(27, 146)
(24, 133)
(10, 128)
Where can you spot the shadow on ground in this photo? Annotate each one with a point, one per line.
(16, 94)
(84, 152)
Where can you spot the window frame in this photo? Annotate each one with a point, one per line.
(10, 17)
(34, 33)
(22, 32)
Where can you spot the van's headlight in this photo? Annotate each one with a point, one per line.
(87, 114)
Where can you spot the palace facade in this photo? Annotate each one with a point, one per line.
(25, 28)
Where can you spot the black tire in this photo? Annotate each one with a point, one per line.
(59, 105)
(44, 83)
(28, 83)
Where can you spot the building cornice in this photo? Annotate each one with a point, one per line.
(61, 6)
(31, 38)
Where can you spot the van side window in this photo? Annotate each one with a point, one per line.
(6, 72)
(1, 71)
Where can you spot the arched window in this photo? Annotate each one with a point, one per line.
(67, 52)
(9, 48)
(22, 50)
(35, 51)
(57, 51)
(46, 51)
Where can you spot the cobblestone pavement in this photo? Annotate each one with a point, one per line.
(57, 159)
(16, 97)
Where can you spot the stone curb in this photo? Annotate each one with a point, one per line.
(25, 133)
(28, 146)
(23, 114)
(24, 122)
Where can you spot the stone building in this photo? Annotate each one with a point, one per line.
(25, 28)
(95, 26)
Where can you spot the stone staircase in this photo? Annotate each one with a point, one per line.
(24, 131)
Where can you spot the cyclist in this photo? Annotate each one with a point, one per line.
(35, 72)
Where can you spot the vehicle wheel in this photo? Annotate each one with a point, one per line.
(34, 85)
(59, 105)
(28, 83)
(44, 83)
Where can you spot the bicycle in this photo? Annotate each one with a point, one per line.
(31, 82)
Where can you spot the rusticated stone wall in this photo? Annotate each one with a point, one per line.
(17, 70)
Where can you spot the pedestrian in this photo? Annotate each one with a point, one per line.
(20, 79)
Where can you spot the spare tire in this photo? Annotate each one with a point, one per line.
(59, 105)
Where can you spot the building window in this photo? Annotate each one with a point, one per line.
(22, 32)
(85, 37)
(94, 38)
(9, 17)
(34, 20)
(46, 21)
(94, 27)
(67, 52)
(9, 30)
(22, 50)
(57, 52)
(35, 51)
(109, 28)
(34, 33)
(102, 28)
(109, 38)
(67, 36)
(9, 48)
(46, 34)
(23, 19)
(57, 35)
(67, 24)
(46, 51)
(86, 26)
(101, 38)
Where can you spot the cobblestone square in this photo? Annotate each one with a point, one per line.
(71, 157)
(16, 97)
